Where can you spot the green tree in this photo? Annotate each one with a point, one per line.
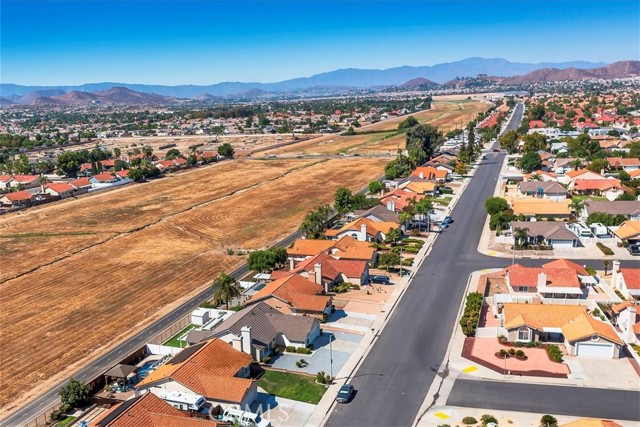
(226, 150)
(494, 205)
(509, 141)
(390, 259)
(342, 200)
(606, 264)
(225, 288)
(461, 168)
(172, 154)
(530, 161)
(605, 219)
(69, 164)
(634, 149)
(582, 146)
(314, 222)
(393, 235)
(267, 260)
(135, 174)
(74, 393)
(422, 141)
(117, 152)
(537, 112)
(375, 187)
(625, 197)
(534, 142)
(148, 151)
(597, 165)
(520, 236)
(407, 123)
(548, 421)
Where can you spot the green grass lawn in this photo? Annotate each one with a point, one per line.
(582, 198)
(444, 201)
(292, 386)
(173, 342)
(66, 421)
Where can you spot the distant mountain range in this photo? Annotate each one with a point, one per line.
(500, 70)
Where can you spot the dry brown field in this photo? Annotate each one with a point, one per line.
(446, 114)
(167, 247)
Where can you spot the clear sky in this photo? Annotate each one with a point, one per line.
(202, 42)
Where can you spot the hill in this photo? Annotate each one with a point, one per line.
(350, 77)
(617, 70)
(419, 82)
(113, 96)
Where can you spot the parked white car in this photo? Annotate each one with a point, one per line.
(245, 419)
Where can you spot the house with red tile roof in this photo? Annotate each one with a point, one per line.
(611, 188)
(27, 181)
(165, 165)
(295, 294)
(148, 410)
(626, 317)
(557, 279)
(429, 172)
(581, 334)
(399, 199)
(627, 164)
(81, 184)
(122, 174)
(334, 271)
(59, 189)
(627, 280)
(103, 178)
(212, 369)
(5, 181)
(363, 229)
(346, 248)
(17, 199)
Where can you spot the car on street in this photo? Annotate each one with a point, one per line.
(634, 249)
(345, 394)
(447, 220)
(495, 150)
(443, 225)
(380, 279)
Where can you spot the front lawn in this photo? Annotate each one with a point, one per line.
(66, 421)
(582, 198)
(174, 342)
(292, 386)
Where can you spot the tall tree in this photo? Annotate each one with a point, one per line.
(423, 141)
(225, 288)
(342, 200)
(314, 222)
(74, 393)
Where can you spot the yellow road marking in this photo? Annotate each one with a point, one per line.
(442, 415)
(470, 369)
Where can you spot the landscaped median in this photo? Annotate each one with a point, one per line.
(303, 388)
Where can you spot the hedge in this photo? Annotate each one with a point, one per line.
(605, 249)
(555, 353)
(471, 315)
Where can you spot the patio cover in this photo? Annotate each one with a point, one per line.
(588, 280)
(120, 371)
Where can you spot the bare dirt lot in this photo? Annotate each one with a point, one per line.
(152, 245)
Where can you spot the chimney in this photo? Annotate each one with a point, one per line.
(421, 175)
(391, 205)
(542, 280)
(363, 233)
(317, 270)
(630, 335)
(615, 270)
(246, 339)
(602, 172)
(291, 264)
(236, 342)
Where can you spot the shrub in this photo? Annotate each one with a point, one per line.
(64, 408)
(494, 205)
(519, 344)
(230, 251)
(503, 340)
(486, 419)
(291, 349)
(548, 421)
(503, 353)
(469, 420)
(56, 415)
(520, 354)
(407, 262)
(445, 190)
(555, 353)
(303, 350)
(276, 350)
(266, 359)
(605, 249)
(471, 315)
(512, 351)
(355, 287)
(302, 363)
(321, 377)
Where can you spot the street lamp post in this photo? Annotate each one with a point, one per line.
(331, 357)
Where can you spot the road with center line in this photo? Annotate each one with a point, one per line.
(393, 380)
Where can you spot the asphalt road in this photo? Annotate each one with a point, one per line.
(395, 376)
(514, 123)
(573, 401)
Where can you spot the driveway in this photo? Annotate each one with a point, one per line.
(350, 321)
(342, 345)
(603, 373)
(281, 412)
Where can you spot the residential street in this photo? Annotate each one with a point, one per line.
(394, 378)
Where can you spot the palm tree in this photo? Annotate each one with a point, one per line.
(606, 264)
(225, 288)
(535, 177)
(576, 205)
(521, 235)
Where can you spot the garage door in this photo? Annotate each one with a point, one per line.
(587, 349)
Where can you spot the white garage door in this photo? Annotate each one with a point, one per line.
(587, 349)
(562, 243)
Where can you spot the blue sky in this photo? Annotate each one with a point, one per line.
(202, 42)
